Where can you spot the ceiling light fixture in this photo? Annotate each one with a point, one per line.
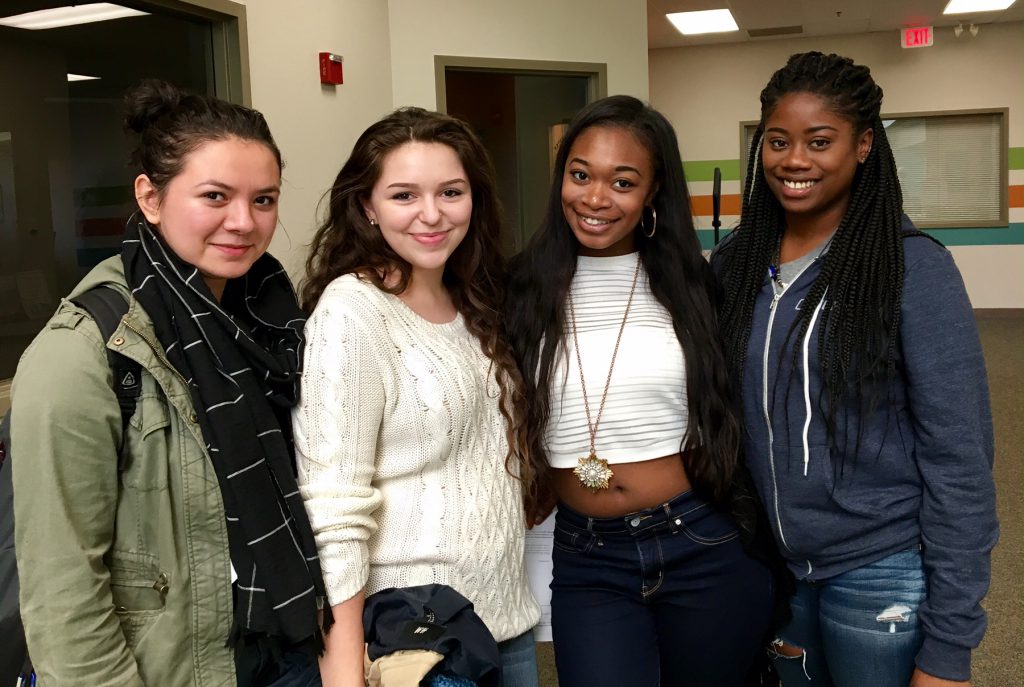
(965, 6)
(705, 21)
(81, 77)
(69, 16)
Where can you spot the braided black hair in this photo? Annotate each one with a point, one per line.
(862, 272)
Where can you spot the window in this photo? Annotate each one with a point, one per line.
(65, 183)
(952, 166)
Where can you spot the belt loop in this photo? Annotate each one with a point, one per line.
(673, 522)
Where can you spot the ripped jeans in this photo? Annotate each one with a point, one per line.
(858, 628)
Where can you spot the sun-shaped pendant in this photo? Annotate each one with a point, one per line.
(593, 472)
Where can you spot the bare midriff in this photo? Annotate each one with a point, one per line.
(635, 487)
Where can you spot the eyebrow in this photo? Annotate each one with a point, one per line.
(450, 182)
(620, 168)
(227, 187)
(808, 130)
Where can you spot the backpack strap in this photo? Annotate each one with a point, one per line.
(108, 306)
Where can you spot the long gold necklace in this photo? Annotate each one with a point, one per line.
(593, 472)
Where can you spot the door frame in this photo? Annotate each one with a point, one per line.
(596, 73)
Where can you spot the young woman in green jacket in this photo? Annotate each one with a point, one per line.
(177, 551)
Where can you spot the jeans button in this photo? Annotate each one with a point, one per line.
(634, 522)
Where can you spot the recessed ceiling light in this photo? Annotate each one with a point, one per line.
(705, 21)
(965, 6)
(69, 16)
(81, 77)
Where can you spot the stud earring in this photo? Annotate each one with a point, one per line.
(372, 221)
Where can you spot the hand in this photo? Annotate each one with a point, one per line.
(923, 679)
(546, 501)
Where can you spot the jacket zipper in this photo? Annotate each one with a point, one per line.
(776, 297)
(767, 417)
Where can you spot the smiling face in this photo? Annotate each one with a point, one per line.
(423, 204)
(810, 157)
(219, 212)
(608, 179)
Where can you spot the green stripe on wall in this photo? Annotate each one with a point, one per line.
(1012, 235)
(704, 170)
(1016, 158)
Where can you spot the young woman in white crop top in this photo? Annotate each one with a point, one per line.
(410, 397)
(611, 316)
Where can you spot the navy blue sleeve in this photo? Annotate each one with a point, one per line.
(947, 392)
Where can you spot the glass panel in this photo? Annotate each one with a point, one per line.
(65, 181)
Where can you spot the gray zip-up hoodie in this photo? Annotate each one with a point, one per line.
(923, 473)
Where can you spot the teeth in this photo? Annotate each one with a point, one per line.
(594, 222)
(797, 184)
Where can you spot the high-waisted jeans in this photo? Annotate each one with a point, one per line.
(665, 596)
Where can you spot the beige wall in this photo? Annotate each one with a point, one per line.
(315, 125)
(707, 90)
(389, 48)
(613, 32)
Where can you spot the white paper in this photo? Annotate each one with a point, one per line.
(538, 571)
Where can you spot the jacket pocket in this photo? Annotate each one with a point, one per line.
(139, 591)
(146, 445)
(137, 583)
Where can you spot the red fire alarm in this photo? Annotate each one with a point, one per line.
(330, 68)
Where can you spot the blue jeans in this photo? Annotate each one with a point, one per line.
(858, 628)
(519, 661)
(665, 596)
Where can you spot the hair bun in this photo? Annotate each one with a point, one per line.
(149, 101)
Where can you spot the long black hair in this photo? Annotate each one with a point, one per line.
(862, 272)
(680, 280)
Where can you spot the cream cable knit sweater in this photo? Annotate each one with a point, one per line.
(401, 454)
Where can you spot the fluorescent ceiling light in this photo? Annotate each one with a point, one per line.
(965, 6)
(69, 16)
(81, 77)
(705, 21)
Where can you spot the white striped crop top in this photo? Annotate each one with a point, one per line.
(645, 416)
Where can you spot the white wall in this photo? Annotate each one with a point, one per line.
(707, 90)
(315, 126)
(609, 31)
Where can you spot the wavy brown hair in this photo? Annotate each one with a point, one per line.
(346, 243)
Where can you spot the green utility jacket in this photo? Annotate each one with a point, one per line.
(125, 575)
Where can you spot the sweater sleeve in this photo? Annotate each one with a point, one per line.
(65, 496)
(949, 403)
(336, 426)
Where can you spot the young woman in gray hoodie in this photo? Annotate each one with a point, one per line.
(868, 429)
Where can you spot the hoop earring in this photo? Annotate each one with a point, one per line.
(654, 222)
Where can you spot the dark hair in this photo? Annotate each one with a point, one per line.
(680, 280)
(346, 243)
(172, 122)
(863, 268)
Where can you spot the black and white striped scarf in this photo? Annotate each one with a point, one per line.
(242, 358)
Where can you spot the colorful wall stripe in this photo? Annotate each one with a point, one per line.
(700, 174)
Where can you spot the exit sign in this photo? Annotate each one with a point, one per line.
(918, 37)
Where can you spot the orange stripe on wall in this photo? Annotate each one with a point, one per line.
(703, 207)
(1017, 196)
